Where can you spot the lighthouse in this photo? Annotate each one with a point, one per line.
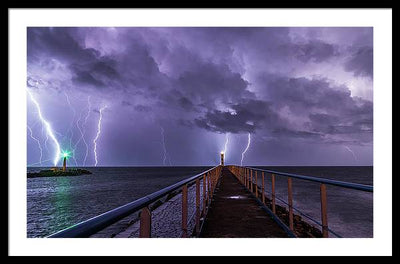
(65, 155)
(65, 164)
(222, 158)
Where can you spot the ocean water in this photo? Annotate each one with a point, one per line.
(57, 203)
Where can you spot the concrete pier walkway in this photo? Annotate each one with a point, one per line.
(235, 213)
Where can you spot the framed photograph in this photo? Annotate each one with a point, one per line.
(191, 126)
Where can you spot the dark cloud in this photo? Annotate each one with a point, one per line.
(57, 42)
(126, 103)
(287, 133)
(184, 122)
(99, 73)
(138, 107)
(82, 76)
(185, 103)
(313, 51)
(246, 116)
(323, 119)
(316, 51)
(302, 93)
(105, 67)
(272, 82)
(330, 109)
(142, 108)
(211, 82)
(360, 62)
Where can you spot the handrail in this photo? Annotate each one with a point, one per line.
(248, 177)
(349, 185)
(306, 215)
(97, 223)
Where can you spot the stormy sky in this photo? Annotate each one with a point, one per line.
(177, 96)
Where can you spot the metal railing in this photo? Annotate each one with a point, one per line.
(248, 177)
(93, 225)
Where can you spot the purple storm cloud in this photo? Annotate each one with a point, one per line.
(304, 94)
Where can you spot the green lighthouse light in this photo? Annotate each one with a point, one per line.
(65, 154)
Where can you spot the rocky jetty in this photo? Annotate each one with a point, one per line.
(57, 172)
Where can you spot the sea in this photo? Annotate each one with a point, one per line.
(55, 203)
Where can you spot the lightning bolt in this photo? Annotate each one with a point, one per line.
(70, 130)
(72, 122)
(248, 145)
(80, 131)
(38, 142)
(49, 130)
(226, 144)
(163, 143)
(45, 141)
(84, 126)
(354, 155)
(38, 162)
(98, 134)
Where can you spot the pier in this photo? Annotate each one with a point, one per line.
(228, 201)
(236, 213)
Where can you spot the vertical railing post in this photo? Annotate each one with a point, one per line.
(211, 183)
(204, 195)
(214, 180)
(245, 177)
(198, 206)
(290, 202)
(273, 192)
(256, 185)
(184, 210)
(324, 212)
(145, 223)
(263, 189)
(208, 190)
(248, 179)
(209, 187)
(251, 180)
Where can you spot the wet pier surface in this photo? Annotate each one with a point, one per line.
(235, 213)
